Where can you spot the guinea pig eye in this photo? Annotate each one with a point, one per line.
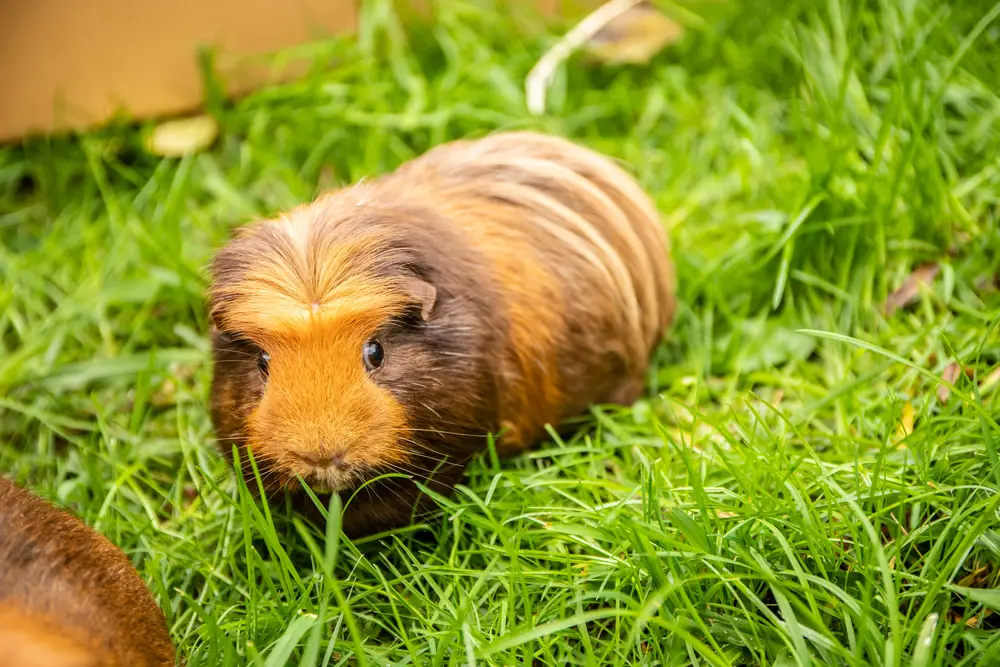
(263, 362)
(373, 355)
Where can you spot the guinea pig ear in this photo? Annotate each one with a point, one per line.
(423, 293)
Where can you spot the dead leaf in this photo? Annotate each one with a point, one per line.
(990, 381)
(327, 178)
(175, 138)
(910, 289)
(166, 394)
(973, 620)
(537, 82)
(949, 375)
(976, 579)
(776, 399)
(634, 37)
(987, 284)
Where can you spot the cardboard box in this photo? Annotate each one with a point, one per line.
(73, 64)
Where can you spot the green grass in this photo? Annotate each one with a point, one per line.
(764, 506)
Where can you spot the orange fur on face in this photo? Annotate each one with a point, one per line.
(320, 403)
(312, 304)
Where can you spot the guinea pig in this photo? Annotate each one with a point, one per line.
(489, 287)
(68, 596)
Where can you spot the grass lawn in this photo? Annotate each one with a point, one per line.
(811, 481)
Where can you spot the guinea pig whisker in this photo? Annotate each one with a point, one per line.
(240, 352)
(436, 460)
(456, 355)
(237, 353)
(464, 434)
(417, 384)
(431, 410)
(396, 494)
(410, 467)
(419, 471)
(436, 449)
(457, 434)
(446, 423)
(435, 465)
(421, 446)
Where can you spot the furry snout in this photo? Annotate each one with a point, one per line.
(325, 419)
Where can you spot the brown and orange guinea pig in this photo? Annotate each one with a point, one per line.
(68, 596)
(490, 286)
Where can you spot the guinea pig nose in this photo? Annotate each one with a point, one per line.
(324, 460)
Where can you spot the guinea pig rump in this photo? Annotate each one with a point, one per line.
(68, 596)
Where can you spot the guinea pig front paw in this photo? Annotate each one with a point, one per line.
(510, 441)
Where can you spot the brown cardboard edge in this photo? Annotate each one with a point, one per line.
(237, 71)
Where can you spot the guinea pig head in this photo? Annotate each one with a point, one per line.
(304, 309)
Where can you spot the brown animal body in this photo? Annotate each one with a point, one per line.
(496, 285)
(68, 596)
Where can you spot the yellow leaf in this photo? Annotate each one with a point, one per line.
(634, 37)
(990, 381)
(905, 422)
(182, 136)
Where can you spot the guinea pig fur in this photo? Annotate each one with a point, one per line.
(490, 286)
(68, 596)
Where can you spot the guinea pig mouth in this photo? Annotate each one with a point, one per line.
(327, 480)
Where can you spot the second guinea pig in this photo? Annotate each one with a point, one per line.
(489, 286)
(68, 596)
